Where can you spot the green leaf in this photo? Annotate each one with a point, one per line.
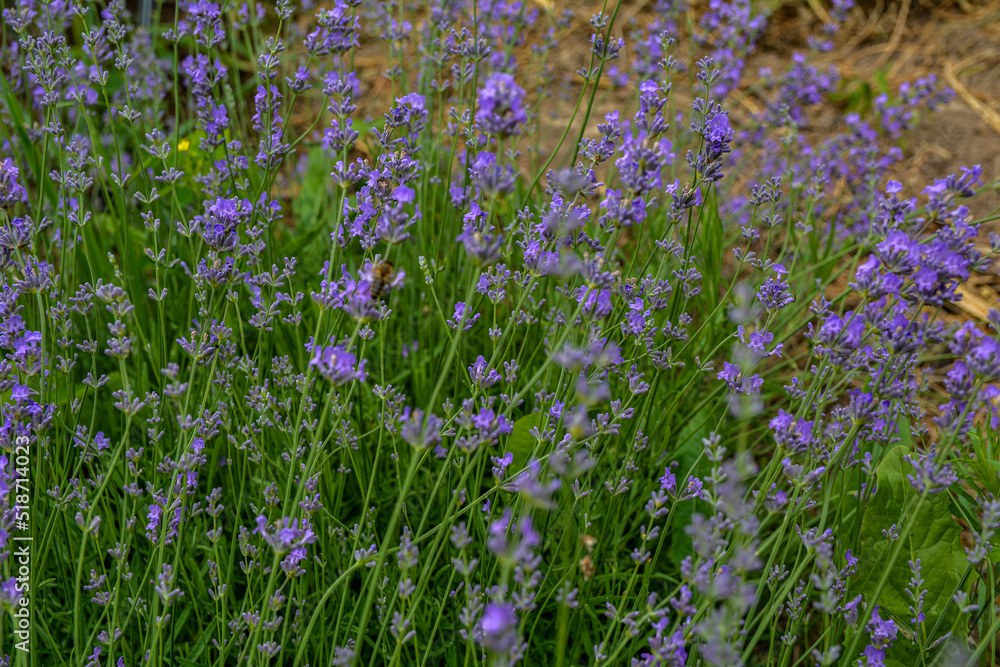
(688, 454)
(855, 95)
(521, 443)
(983, 468)
(191, 159)
(315, 181)
(882, 81)
(365, 135)
(935, 540)
(710, 249)
(194, 657)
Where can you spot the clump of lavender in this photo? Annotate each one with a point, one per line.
(301, 368)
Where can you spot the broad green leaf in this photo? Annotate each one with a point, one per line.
(934, 540)
(521, 443)
(688, 453)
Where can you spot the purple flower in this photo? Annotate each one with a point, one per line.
(153, 523)
(636, 319)
(499, 627)
(984, 359)
(738, 383)
(410, 112)
(642, 162)
(290, 563)
(336, 31)
(773, 294)
(536, 487)
(201, 76)
(491, 179)
(286, 534)
(354, 295)
(11, 594)
(419, 432)
(461, 317)
(596, 303)
(164, 585)
(621, 210)
(571, 182)
(791, 434)
(21, 393)
(483, 376)
(718, 130)
(668, 482)
(482, 246)
(605, 50)
(916, 592)
(600, 150)
(930, 477)
(393, 219)
(759, 341)
(500, 465)
(11, 192)
(342, 90)
(221, 220)
(515, 543)
(851, 611)
(493, 282)
(666, 649)
(501, 106)
(883, 633)
(205, 22)
(337, 365)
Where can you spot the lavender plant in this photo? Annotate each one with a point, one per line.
(287, 384)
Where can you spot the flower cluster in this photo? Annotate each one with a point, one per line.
(327, 324)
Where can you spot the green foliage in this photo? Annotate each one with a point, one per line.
(934, 540)
(192, 406)
(521, 443)
(689, 453)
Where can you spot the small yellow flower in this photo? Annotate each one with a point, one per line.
(183, 145)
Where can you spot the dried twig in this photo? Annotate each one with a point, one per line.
(820, 11)
(897, 34)
(989, 116)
